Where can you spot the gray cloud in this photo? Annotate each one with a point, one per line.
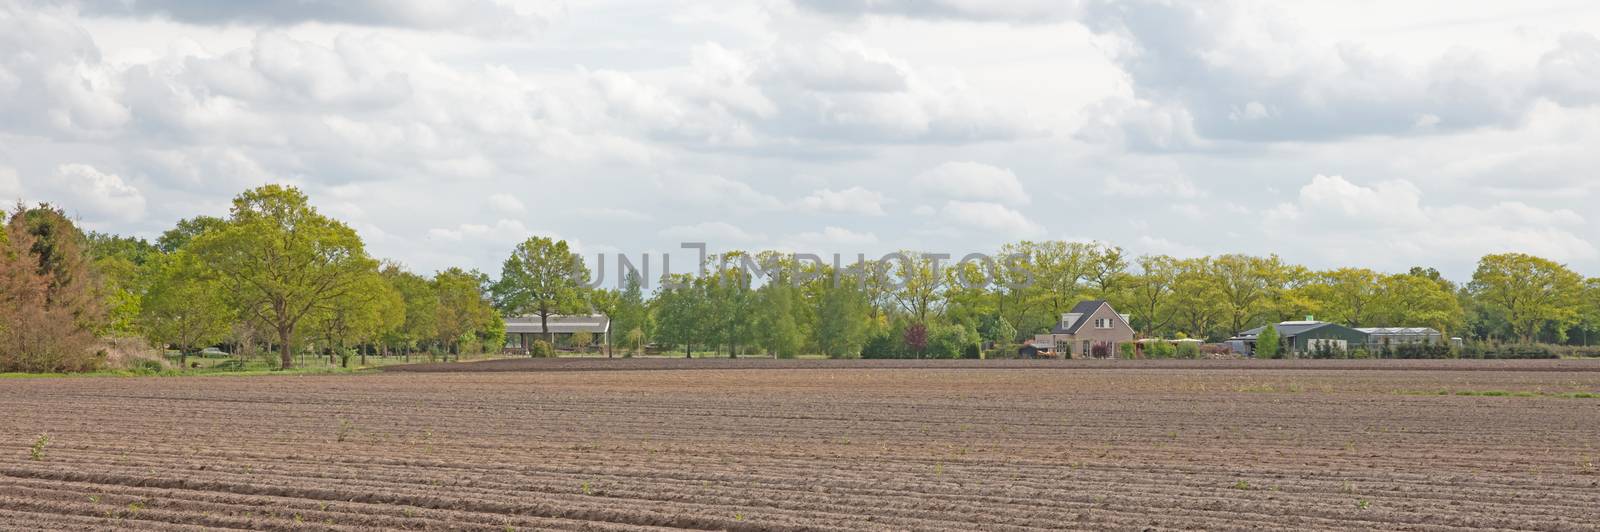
(1228, 71)
(1569, 73)
(774, 126)
(488, 17)
(1018, 11)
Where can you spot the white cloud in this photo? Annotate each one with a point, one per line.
(1162, 186)
(1393, 223)
(762, 114)
(1237, 71)
(989, 218)
(98, 196)
(712, 233)
(10, 186)
(837, 236)
(612, 213)
(1567, 74)
(506, 203)
(973, 181)
(1018, 11)
(853, 200)
(504, 231)
(484, 17)
(714, 190)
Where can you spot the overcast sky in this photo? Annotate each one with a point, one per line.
(1372, 133)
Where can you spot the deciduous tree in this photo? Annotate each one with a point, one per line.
(185, 306)
(1530, 292)
(543, 278)
(283, 261)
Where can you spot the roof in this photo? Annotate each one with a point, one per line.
(1083, 310)
(1292, 328)
(1288, 328)
(598, 323)
(1399, 331)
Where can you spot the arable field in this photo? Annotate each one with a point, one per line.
(735, 445)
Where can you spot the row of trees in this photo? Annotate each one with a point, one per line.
(277, 274)
(919, 303)
(274, 274)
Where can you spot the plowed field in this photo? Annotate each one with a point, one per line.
(751, 447)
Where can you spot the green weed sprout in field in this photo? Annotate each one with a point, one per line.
(36, 453)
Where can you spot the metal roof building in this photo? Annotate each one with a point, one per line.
(521, 331)
(1377, 336)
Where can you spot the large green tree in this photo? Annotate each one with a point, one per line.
(185, 306)
(282, 260)
(1531, 293)
(464, 309)
(681, 312)
(842, 321)
(543, 278)
(1350, 296)
(421, 310)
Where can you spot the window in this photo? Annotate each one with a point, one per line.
(1102, 323)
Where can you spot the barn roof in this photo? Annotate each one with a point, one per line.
(597, 323)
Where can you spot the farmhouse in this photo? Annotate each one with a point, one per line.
(1303, 337)
(1092, 328)
(522, 331)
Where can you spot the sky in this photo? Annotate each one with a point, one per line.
(1357, 133)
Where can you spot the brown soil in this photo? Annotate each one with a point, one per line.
(923, 447)
(657, 363)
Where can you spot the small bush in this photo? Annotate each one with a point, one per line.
(1126, 350)
(1160, 349)
(1187, 350)
(541, 349)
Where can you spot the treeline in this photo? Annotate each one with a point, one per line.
(917, 308)
(277, 275)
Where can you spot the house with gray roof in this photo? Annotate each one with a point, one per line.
(1091, 328)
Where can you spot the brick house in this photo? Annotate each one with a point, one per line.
(1090, 324)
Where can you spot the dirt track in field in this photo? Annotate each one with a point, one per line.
(831, 448)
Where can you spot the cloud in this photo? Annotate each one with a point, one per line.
(835, 89)
(972, 181)
(98, 196)
(506, 203)
(503, 231)
(989, 218)
(612, 213)
(1567, 74)
(853, 200)
(1172, 186)
(1014, 11)
(837, 236)
(483, 17)
(1393, 224)
(1241, 72)
(712, 232)
(714, 190)
(52, 79)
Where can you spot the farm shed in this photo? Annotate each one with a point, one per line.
(1304, 337)
(521, 331)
